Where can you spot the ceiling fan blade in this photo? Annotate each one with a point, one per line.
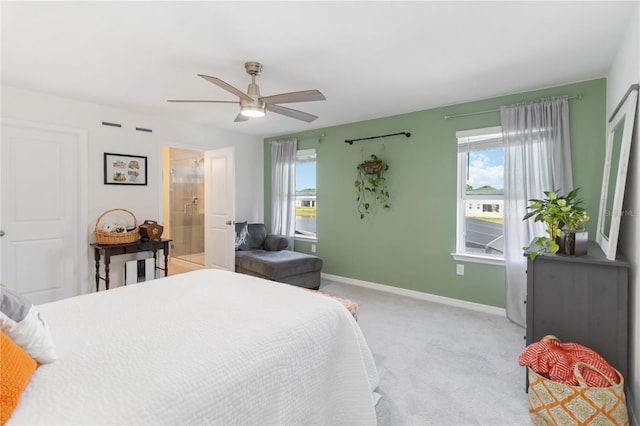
(293, 113)
(303, 96)
(227, 87)
(203, 101)
(240, 118)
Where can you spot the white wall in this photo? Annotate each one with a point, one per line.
(144, 201)
(625, 71)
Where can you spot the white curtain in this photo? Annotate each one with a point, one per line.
(283, 188)
(537, 159)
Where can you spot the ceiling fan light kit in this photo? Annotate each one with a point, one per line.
(252, 105)
(252, 111)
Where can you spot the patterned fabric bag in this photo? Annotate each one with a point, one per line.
(554, 403)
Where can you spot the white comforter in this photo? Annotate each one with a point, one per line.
(207, 347)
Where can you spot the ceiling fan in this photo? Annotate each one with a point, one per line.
(254, 105)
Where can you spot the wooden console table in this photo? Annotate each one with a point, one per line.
(109, 250)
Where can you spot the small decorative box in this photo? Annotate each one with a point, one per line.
(151, 230)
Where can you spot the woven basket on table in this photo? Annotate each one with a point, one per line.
(104, 237)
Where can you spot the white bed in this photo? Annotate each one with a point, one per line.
(206, 347)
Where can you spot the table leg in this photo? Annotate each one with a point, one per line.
(107, 261)
(155, 262)
(166, 259)
(97, 256)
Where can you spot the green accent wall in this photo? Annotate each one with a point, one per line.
(410, 245)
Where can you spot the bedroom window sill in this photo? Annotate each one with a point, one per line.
(478, 258)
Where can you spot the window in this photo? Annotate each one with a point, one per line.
(306, 194)
(480, 194)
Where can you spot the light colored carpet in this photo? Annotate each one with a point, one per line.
(440, 365)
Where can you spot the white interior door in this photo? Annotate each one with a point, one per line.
(40, 211)
(219, 212)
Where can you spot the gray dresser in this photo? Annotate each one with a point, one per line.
(580, 299)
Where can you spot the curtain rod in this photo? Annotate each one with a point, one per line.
(319, 136)
(351, 141)
(446, 117)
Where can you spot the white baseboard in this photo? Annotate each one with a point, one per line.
(418, 295)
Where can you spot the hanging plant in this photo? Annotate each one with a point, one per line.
(371, 185)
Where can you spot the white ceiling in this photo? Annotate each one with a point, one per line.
(370, 59)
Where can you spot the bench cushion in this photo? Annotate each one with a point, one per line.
(275, 265)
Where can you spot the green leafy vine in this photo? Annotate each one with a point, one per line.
(371, 185)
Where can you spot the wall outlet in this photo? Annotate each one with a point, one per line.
(460, 269)
(313, 248)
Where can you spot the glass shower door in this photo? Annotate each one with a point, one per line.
(187, 205)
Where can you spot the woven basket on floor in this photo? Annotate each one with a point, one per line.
(104, 237)
(555, 403)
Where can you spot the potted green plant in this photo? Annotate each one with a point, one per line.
(564, 218)
(371, 185)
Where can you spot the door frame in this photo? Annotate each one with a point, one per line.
(84, 257)
(161, 198)
(165, 196)
(172, 144)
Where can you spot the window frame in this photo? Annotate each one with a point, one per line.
(479, 139)
(314, 153)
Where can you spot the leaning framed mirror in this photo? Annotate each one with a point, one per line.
(619, 134)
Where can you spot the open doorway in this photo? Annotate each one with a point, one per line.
(184, 204)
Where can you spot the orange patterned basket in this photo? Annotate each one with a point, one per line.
(105, 237)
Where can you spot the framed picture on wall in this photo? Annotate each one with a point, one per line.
(122, 169)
